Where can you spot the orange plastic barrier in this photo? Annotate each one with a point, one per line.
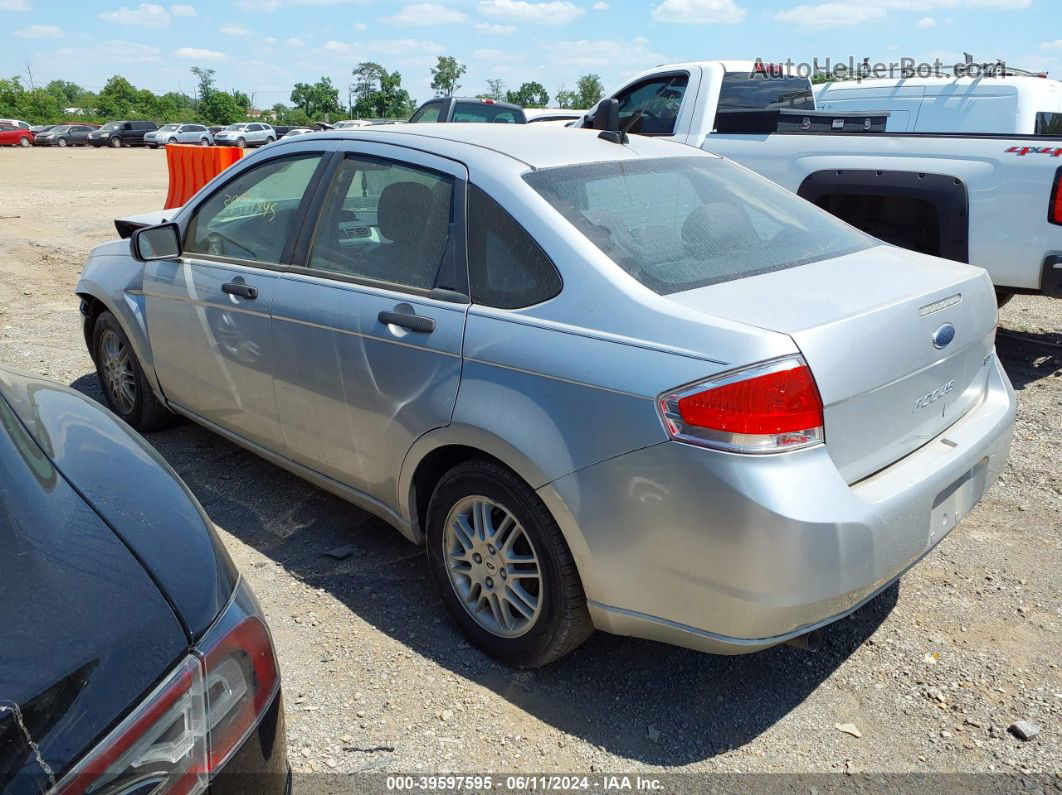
(191, 167)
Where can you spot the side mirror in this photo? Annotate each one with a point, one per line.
(606, 115)
(156, 242)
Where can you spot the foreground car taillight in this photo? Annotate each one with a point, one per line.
(1054, 207)
(193, 722)
(766, 408)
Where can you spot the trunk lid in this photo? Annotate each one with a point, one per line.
(866, 323)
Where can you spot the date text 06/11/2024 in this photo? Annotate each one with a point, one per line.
(523, 783)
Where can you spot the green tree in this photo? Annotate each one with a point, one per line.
(317, 99)
(220, 108)
(566, 98)
(242, 100)
(66, 92)
(495, 90)
(205, 81)
(589, 91)
(529, 95)
(445, 74)
(379, 93)
(117, 99)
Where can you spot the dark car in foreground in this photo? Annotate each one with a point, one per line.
(134, 657)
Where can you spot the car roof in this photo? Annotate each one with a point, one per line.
(535, 146)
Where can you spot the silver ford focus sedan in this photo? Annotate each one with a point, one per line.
(628, 387)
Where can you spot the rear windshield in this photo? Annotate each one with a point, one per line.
(680, 223)
(742, 91)
(484, 112)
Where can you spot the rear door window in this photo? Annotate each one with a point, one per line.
(484, 112)
(680, 223)
(386, 222)
(658, 98)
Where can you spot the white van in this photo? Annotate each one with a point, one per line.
(1013, 105)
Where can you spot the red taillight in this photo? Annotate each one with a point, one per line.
(1054, 208)
(761, 409)
(193, 722)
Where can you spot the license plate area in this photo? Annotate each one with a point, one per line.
(954, 502)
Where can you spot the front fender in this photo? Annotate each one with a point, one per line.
(117, 282)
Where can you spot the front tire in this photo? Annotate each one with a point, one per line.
(502, 567)
(242, 143)
(171, 142)
(61, 142)
(125, 388)
(116, 143)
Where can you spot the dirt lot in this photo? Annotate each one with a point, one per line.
(931, 673)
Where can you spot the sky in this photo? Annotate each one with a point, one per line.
(263, 47)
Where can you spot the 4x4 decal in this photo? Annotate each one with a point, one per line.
(1021, 151)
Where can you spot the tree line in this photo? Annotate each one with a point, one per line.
(373, 93)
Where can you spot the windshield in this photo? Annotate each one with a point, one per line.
(62, 129)
(742, 91)
(680, 223)
(236, 127)
(111, 125)
(167, 127)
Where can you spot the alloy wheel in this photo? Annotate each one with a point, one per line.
(492, 566)
(117, 366)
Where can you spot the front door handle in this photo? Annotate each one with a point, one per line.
(240, 289)
(408, 320)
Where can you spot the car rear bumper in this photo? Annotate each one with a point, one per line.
(733, 553)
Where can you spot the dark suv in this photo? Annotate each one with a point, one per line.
(463, 109)
(121, 133)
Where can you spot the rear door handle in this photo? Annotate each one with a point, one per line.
(240, 289)
(408, 320)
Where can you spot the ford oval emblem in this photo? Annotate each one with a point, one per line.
(943, 336)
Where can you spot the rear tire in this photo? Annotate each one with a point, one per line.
(125, 388)
(204, 142)
(521, 601)
(23, 142)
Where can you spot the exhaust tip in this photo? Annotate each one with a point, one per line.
(809, 641)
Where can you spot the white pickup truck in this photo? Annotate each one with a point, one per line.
(990, 200)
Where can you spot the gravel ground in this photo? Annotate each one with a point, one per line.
(930, 675)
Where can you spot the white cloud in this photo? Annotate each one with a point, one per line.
(602, 54)
(553, 12)
(601, 5)
(40, 32)
(183, 11)
(360, 26)
(427, 14)
(200, 54)
(723, 12)
(1052, 45)
(294, 43)
(113, 51)
(491, 29)
(498, 56)
(147, 15)
(394, 47)
(14, 5)
(925, 23)
(234, 30)
(827, 16)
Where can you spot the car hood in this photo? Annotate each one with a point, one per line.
(86, 633)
